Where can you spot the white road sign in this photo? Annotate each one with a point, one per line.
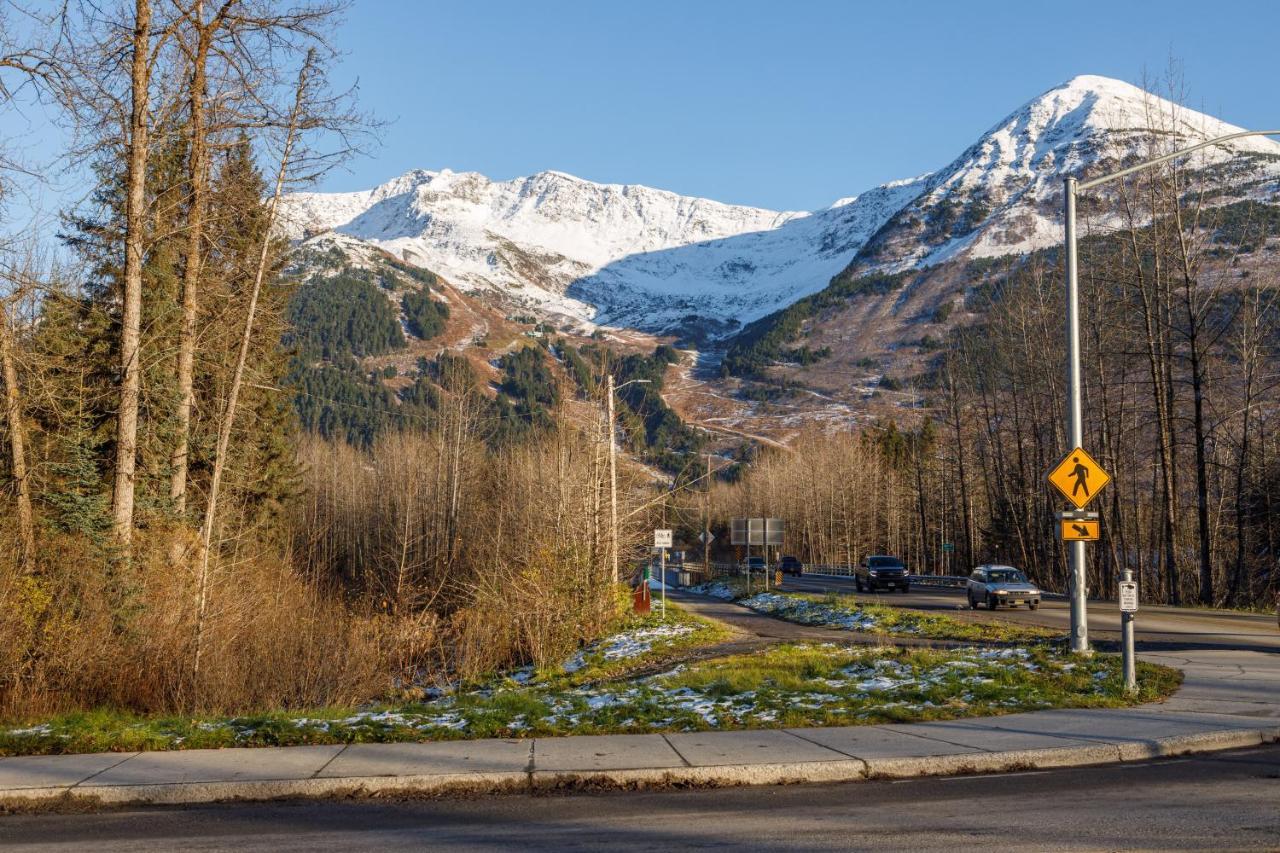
(662, 538)
(1128, 597)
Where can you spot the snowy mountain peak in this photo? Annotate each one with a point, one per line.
(1003, 194)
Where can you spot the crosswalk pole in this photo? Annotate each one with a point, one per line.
(1075, 418)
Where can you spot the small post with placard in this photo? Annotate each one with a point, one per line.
(738, 536)
(1128, 607)
(663, 567)
(662, 541)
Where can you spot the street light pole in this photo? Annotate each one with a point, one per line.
(1075, 416)
(1075, 430)
(613, 488)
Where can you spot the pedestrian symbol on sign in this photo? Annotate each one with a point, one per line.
(1081, 473)
(1079, 478)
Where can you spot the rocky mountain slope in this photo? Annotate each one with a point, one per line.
(582, 253)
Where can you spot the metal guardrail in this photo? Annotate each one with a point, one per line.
(949, 581)
(697, 573)
(944, 581)
(836, 571)
(719, 569)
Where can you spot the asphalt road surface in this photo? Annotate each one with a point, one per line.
(1226, 801)
(1156, 628)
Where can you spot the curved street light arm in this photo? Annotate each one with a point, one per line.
(1093, 182)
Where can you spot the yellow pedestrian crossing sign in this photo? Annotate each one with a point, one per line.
(1079, 478)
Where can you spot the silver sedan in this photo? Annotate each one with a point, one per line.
(997, 585)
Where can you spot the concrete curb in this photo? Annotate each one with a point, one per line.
(724, 775)
(731, 775)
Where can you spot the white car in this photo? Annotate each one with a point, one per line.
(997, 585)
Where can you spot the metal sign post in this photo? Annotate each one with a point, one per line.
(738, 536)
(662, 541)
(756, 531)
(664, 584)
(1128, 607)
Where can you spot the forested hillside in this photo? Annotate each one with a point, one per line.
(1182, 321)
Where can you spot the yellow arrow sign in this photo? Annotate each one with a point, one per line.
(1081, 530)
(1079, 478)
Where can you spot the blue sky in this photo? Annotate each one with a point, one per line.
(788, 105)
(781, 104)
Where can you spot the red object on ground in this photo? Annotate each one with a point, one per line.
(641, 599)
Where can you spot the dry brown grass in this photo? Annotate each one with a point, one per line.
(90, 630)
(431, 557)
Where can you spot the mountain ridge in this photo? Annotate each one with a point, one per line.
(582, 253)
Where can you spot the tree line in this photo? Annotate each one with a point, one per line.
(1181, 338)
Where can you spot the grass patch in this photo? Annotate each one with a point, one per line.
(640, 643)
(790, 685)
(846, 613)
(822, 685)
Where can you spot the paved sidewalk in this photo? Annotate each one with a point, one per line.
(1229, 699)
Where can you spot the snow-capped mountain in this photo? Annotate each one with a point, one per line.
(640, 257)
(1003, 195)
(606, 253)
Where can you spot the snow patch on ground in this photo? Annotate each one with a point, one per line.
(807, 612)
(716, 589)
(629, 644)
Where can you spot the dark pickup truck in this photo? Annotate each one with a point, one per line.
(881, 572)
(790, 565)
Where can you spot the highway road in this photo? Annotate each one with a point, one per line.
(1156, 628)
(1225, 801)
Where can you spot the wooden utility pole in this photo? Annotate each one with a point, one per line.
(706, 522)
(613, 484)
